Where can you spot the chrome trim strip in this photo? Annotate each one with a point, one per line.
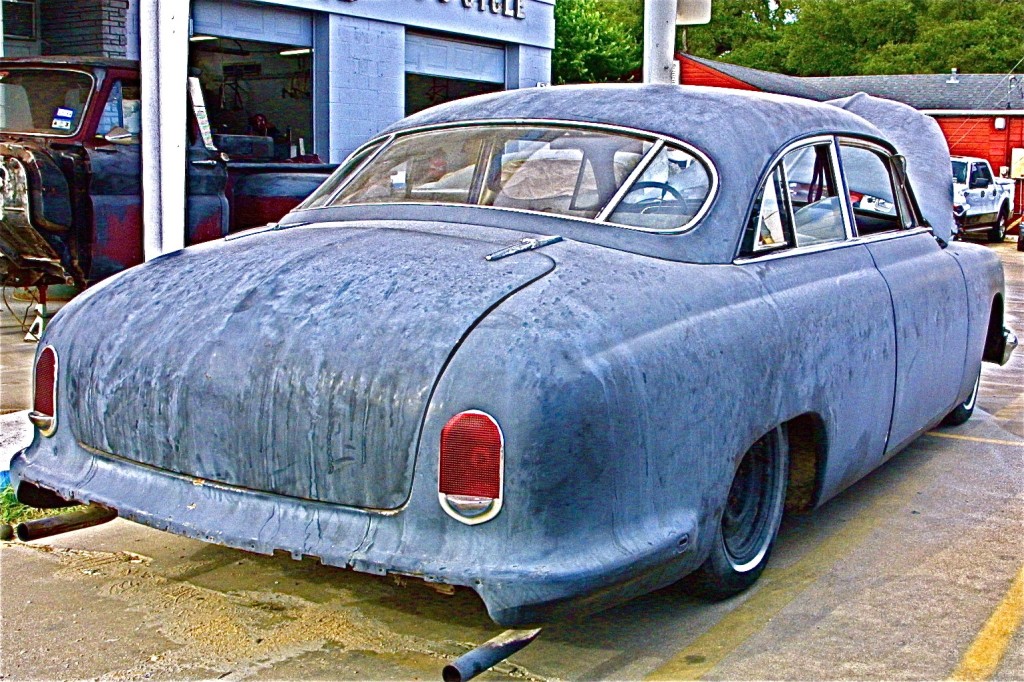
(51, 428)
(555, 123)
(496, 505)
(828, 246)
(844, 191)
(633, 176)
(85, 107)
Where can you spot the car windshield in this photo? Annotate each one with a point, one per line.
(960, 172)
(565, 170)
(43, 101)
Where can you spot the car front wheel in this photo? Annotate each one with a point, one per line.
(750, 520)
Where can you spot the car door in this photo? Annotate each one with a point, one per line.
(929, 294)
(834, 305)
(984, 191)
(115, 188)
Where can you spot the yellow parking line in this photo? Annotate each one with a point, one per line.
(975, 439)
(982, 658)
(777, 588)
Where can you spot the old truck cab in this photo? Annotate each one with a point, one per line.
(71, 174)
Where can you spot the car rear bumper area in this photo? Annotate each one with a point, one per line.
(515, 594)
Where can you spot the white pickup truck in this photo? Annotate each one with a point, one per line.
(982, 202)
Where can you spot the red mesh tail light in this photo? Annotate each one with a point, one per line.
(46, 373)
(44, 392)
(470, 467)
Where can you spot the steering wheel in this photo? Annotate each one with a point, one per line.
(654, 184)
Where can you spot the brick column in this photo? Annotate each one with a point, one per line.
(98, 28)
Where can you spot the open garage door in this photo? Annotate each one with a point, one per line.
(441, 69)
(255, 65)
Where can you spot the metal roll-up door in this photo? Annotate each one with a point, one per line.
(440, 57)
(252, 22)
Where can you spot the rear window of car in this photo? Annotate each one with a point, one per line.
(595, 174)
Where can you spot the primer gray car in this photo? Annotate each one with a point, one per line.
(562, 346)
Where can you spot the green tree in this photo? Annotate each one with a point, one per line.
(596, 41)
(743, 32)
(833, 37)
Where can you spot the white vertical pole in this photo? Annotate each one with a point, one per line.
(163, 34)
(659, 40)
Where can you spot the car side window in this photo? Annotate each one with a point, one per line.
(122, 111)
(771, 225)
(798, 204)
(873, 190)
(814, 195)
(980, 172)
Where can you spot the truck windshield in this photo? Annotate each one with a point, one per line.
(43, 101)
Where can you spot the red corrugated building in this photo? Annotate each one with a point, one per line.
(981, 114)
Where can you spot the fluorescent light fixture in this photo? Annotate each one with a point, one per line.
(201, 38)
(298, 51)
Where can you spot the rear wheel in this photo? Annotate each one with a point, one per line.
(998, 231)
(962, 412)
(750, 520)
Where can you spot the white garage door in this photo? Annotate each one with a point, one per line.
(432, 56)
(252, 22)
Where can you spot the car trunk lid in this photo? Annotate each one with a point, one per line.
(298, 362)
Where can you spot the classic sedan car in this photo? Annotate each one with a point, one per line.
(562, 346)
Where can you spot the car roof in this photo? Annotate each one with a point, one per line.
(740, 132)
(73, 61)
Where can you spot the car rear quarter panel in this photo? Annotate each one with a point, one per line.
(627, 389)
(983, 274)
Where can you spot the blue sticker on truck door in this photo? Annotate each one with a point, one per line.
(62, 118)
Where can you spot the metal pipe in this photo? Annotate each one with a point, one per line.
(490, 653)
(659, 40)
(93, 515)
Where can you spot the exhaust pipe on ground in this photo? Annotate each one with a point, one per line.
(92, 515)
(490, 653)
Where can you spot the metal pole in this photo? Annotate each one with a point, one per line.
(163, 33)
(659, 40)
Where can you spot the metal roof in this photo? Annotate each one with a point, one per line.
(62, 60)
(964, 92)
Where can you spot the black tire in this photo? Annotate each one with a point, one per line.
(750, 520)
(962, 412)
(998, 232)
(1020, 237)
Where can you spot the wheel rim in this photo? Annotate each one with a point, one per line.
(748, 519)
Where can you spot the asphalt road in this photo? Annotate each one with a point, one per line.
(916, 572)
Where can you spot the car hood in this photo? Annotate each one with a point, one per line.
(298, 362)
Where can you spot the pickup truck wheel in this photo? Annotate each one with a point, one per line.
(962, 412)
(998, 232)
(750, 520)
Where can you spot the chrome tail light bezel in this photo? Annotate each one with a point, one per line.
(470, 509)
(46, 423)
